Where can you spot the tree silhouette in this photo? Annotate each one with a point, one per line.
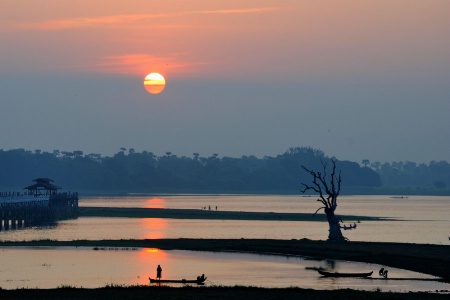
(328, 188)
(146, 172)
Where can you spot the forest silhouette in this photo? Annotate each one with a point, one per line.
(130, 171)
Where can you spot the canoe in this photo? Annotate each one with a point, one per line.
(200, 281)
(337, 274)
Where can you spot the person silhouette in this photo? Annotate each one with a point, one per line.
(158, 272)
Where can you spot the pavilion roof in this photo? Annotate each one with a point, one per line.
(42, 184)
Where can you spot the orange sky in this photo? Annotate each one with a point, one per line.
(139, 36)
(225, 38)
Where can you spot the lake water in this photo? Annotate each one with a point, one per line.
(417, 220)
(46, 267)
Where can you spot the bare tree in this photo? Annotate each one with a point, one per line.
(328, 188)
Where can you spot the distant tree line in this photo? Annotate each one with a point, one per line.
(131, 171)
(435, 175)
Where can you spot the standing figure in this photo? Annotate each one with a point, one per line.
(158, 272)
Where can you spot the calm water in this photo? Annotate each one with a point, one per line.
(418, 220)
(89, 268)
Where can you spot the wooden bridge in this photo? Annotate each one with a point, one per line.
(40, 204)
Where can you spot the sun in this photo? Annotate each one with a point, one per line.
(154, 83)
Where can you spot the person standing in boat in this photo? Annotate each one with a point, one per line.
(158, 272)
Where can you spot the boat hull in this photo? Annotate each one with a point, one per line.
(201, 281)
(337, 274)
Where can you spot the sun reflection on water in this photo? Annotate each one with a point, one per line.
(151, 258)
(155, 203)
(154, 228)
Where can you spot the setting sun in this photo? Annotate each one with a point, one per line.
(154, 83)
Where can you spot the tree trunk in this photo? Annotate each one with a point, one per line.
(335, 234)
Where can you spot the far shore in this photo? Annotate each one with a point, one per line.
(126, 212)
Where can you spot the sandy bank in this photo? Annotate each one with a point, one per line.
(125, 212)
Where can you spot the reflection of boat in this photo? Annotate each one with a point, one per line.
(200, 280)
(337, 274)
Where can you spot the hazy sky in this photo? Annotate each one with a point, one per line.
(357, 79)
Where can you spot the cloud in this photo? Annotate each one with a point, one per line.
(74, 23)
(140, 63)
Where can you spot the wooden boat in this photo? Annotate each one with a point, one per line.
(197, 281)
(337, 274)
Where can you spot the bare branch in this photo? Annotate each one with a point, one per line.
(323, 180)
(324, 177)
(335, 191)
(323, 207)
(309, 188)
(339, 184)
(333, 176)
(317, 186)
